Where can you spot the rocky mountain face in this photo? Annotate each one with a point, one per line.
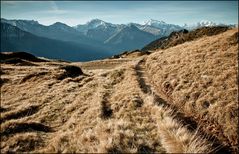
(129, 38)
(165, 29)
(95, 27)
(98, 29)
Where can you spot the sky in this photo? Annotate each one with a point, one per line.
(121, 12)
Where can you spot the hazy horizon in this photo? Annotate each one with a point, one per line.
(121, 12)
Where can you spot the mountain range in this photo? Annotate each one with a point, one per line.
(15, 39)
(83, 42)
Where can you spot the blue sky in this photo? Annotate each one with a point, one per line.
(79, 12)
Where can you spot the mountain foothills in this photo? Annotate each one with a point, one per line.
(94, 40)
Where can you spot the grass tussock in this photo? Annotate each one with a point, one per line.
(33, 75)
(19, 113)
(70, 71)
(22, 143)
(13, 128)
(175, 136)
(177, 139)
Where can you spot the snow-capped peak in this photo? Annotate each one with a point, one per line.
(22, 22)
(202, 23)
(206, 23)
(153, 22)
(32, 22)
(96, 23)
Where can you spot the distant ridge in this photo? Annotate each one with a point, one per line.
(14, 39)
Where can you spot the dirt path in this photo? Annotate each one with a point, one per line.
(162, 100)
(159, 98)
(113, 108)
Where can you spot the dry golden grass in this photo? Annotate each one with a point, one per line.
(102, 111)
(175, 138)
(200, 78)
(113, 107)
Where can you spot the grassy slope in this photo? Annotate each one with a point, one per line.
(116, 106)
(201, 79)
(104, 111)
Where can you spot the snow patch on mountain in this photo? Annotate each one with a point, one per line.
(205, 23)
(154, 23)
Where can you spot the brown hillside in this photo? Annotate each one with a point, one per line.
(179, 100)
(6, 56)
(200, 78)
(182, 36)
(48, 108)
